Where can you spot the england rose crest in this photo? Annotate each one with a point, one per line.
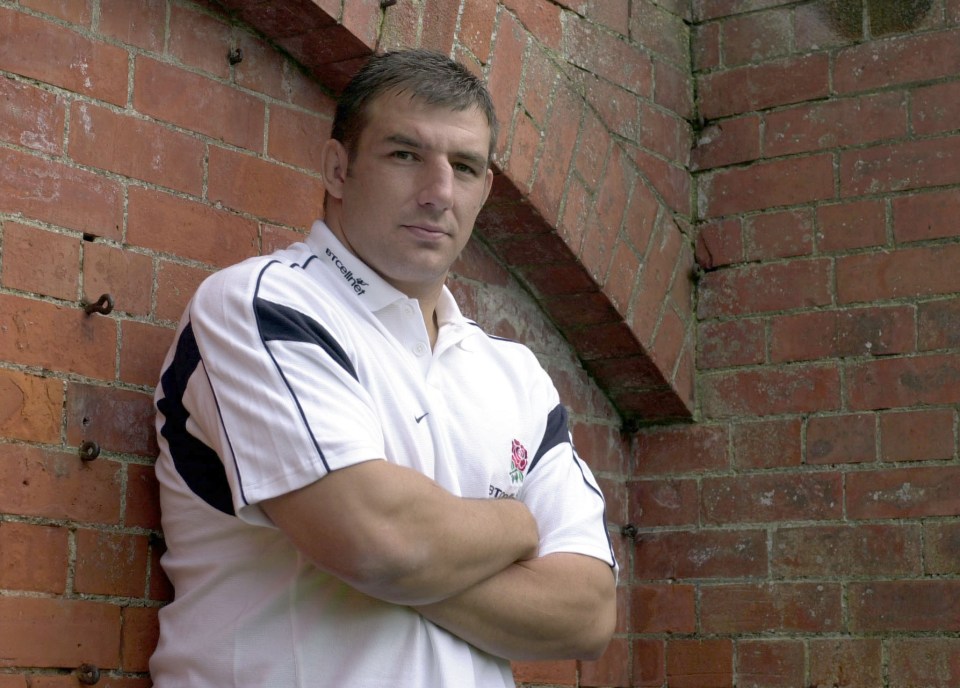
(519, 462)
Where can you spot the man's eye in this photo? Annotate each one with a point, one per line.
(403, 155)
(466, 169)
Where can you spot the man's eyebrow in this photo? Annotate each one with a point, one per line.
(464, 155)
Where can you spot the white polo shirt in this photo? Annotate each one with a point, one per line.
(287, 367)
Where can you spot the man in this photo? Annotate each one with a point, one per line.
(359, 487)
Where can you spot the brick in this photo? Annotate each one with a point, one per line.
(907, 272)
(766, 185)
(938, 324)
(729, 142)
(700, 663)
(856, 661)
(918, 435)
(941, 547)
(757, 37)
(618, 109)
(273, 238)
(649, 663)
(700, 554)
(439, 22)
(56, 275)
(503, 79)
(30, 407)
(136, 148)
(86, 631)
(751, 88)
(903, 382)
(51, 192)
(169, 94)
(476, 27)
(606, 55)
(770, 663)
(768, 392)
(540, 76)
(719, 243)
(854, 224)
(118, 420)
(665, 608)
(906, 605)
(263, 68)
(141, 630)
(673, 89)
(680, 449)
(900, 166)
(901, 493)
(779, 235)
(662, 31)
(34, 333)
(663, 503)
(558, 673)
(555, 160)
(767, 498)
(95, 69)
(925, 216)
(73, 11)
(540, 19)
(771, 607)
(934, 108)
(126, 275)
(821, 25)
(200, 40)
(846, 551)
(175, 285)
(666, 133)
(879, 331)
(296, 137)
(138, 23)
(665, 258)
(267, 190)
(924, 662)
(706, 46)
(142, 498)
(672, 181)
(524, 148)
(34, 557)
(190, 229)
(31, 117)
(767, 443)
(143, 351)
(613, 14)
(835, 124)
(110, 563)
(734, 291)
(54, 484)
(612, 669)
(846, 438)
(903, 60)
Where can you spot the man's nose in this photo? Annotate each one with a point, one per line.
(436, 189)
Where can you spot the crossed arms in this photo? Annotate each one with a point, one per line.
(468, 565)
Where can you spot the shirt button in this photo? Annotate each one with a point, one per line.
(408, 310)
(420, 349)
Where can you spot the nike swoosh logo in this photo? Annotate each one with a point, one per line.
(422, 417)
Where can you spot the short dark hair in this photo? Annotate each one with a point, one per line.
(426, 75)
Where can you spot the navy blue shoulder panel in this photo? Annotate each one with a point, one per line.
(555, 433)
(282, 323)
(197, 464)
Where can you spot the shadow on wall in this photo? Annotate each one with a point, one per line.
(858, 18)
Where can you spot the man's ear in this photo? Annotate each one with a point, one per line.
(488, 185)
(334, 160)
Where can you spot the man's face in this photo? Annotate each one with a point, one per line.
(411, 192)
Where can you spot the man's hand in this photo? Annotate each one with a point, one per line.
(394, 534)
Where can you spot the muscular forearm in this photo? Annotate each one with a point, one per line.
(561, 606)
(394, 534)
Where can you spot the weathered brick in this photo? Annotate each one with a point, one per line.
(846, 551)
(139, 23)
(767, 443)
(168, 93)
(141, 630)
(835, 124)
(31, 117)
(758, 87)
(30, 407)
(706, 46)
(700, 663)
(503, 79)
(854, 224)
(900, 166)
(53, 484)
(904, 605)
(663, 503)
(189, 229)
(779, 235)
(273, 238)
(612, 669)
(267, 190)
(737, 291)
(617, 107)
(665, 133)
(664, 608)
(856, 661)
(903, 382)
(766, 185)
(719, 242)
(603, 53)
(672, 181)
(769, 607)
(94, 69)
(41, 262)
(73, 11)
(673, 89)
(729, 142)
(660, 31)
(142, 498)
(144, 347)
(558, 672)
(934, 108)
(906, 272)
(524, 147)
(34, 333)
(476, 27)
(34, 557)
(757, 37)
(931, 662)
(680, 449)
(555, 160)
(765, 498)
(770, 663)
(700, 554)
(86, 631)
(767, 392)
(878, 331)
(917, 435)
(118, 420)
(941, 547)
(846, 438)
(925, 216)
(902, 60)
(938, 324)
(263, 70)
(649, 663)
(126, 275)
(135, 148)
(902, 493)
(59, 194)
(540, 19)
(110, 563)
(200, 40)
(175, 285)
